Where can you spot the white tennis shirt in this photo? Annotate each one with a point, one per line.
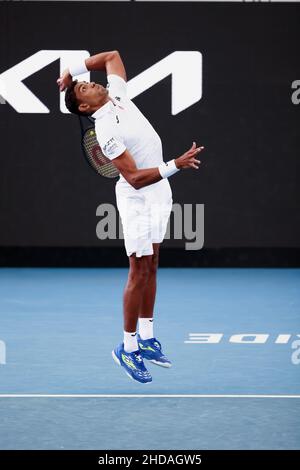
(120, 125)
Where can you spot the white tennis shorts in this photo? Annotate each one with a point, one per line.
(144, 215)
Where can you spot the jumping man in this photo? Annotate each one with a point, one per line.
(143, 195)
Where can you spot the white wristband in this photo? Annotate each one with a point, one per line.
(168, 169)
(78, 68)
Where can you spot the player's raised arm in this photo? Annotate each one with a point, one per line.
(113, 64)
(110, 62)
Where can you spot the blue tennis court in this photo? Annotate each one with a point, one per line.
(60, 388)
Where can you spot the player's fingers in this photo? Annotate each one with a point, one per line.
(198, 149)
(195, 151)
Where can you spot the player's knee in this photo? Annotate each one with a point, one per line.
(140, 278)
(139, 272)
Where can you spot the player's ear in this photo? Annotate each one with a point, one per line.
(83, 107)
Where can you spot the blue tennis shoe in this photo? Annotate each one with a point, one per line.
(132, 363)
(150, 349)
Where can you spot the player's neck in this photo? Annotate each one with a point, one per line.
(107, 99)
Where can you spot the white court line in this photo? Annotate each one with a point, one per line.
(35, 395)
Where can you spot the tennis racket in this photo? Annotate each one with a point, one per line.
(92, 151)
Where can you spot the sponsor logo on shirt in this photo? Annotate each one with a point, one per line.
(110, 147)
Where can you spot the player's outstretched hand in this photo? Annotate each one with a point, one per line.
(65, 80)
(188, 159)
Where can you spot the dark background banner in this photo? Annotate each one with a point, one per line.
(249, 180)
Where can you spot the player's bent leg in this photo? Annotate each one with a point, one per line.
(148, 298)
(132, 362)
(134, 290)
(150, 347)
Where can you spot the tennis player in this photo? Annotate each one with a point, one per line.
(143, 195)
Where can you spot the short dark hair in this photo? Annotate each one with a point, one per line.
(71, 100)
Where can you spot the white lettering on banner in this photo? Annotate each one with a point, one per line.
(3, 91)
(200, 338)
(249, 338)
(185, 92)
(244, 338)
(2, 352)
(18, 95)
(283, 339)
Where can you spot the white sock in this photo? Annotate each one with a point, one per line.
(130, 342)
(146, 328)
